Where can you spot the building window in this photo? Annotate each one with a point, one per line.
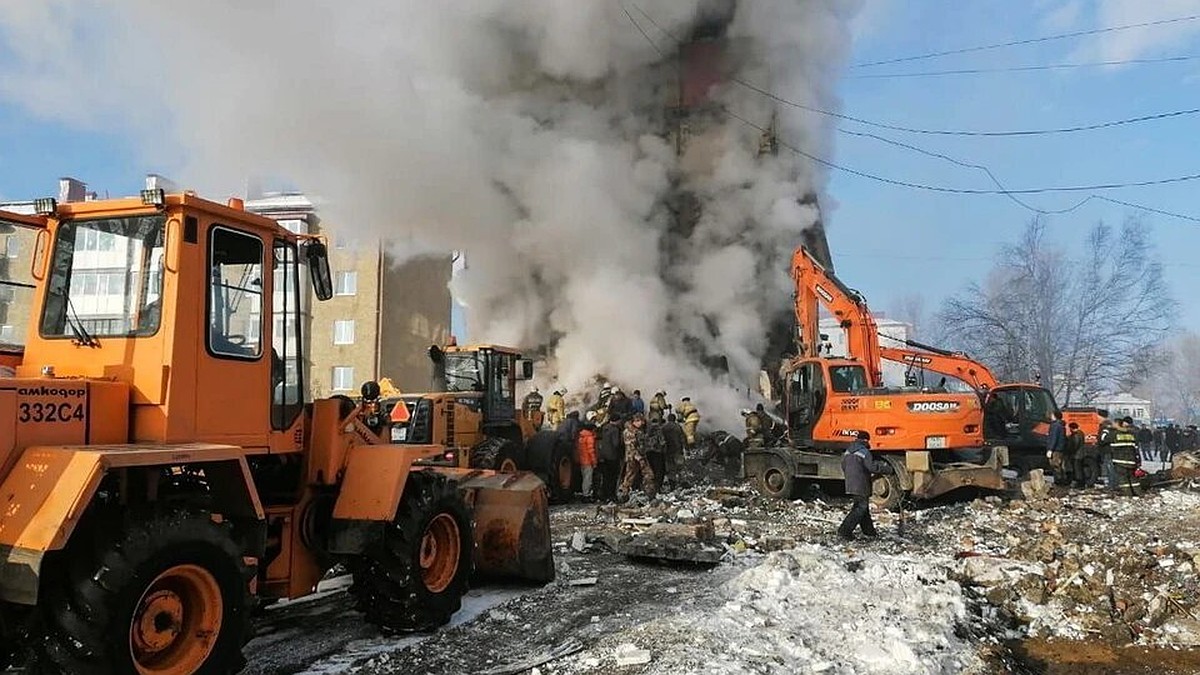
(343, 332)
(347, 283)
(12, 246)
(343, 378)
(6, 333)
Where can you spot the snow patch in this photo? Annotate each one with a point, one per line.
(814, 610)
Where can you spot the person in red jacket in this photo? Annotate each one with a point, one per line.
(585, 454)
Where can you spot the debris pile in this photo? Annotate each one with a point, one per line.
(1060, 564)
(1086, 566)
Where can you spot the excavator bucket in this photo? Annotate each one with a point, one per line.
(512, 525)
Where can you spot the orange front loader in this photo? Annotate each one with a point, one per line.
(160, 468)
(933, 440)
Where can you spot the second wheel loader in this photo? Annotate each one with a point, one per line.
(473, 413)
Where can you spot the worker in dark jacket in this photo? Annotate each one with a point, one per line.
(1056, 446)
(1074, 457)
(858, 466)
(608, 461)
(570, 427)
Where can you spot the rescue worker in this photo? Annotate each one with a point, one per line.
(556, 409)
(754, 437)
(636, 403)
(532, 401)
(1056, 446)
(673, 434)
(531, 408)
(1087, 461)
(691, 419)
(1073, 454)
(658, 407)
(636, 464)
(585, 455)
(1125, 455)
(859, 467)
(656, 453)
(608, 461)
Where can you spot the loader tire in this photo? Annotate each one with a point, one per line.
(497, 454)
(159, 592)
(549, 454)
(414, 576)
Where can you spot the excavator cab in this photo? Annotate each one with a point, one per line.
(1019, 416)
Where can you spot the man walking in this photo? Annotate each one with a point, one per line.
(858, 466)
(635, 460)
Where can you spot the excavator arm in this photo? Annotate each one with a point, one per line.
(951, 364)
(816, 287)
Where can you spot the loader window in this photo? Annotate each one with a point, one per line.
(106, 279)
(287, 387)
(235, 294)
(16, 283)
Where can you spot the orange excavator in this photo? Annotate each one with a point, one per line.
(933, 440)
(1016, 415)
(161, 470)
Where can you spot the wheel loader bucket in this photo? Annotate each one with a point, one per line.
(512, 525)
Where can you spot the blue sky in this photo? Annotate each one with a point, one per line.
(892, 241)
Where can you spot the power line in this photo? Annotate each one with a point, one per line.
(949, 132)
(1002, 189)
(911, 130)
(970, 165)
(1027, 41)
(1018, 69)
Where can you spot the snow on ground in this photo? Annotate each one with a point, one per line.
(813, 610)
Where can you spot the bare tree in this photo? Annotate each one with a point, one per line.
(1174, 385)
(1084, 324)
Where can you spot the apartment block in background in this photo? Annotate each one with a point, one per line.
(383, 315)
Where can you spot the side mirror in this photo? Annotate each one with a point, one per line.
(524, 369)
(317, 257)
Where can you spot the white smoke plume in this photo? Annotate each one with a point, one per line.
(530, 134)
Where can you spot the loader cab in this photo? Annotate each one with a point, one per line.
(186, 303)
(491, 372)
